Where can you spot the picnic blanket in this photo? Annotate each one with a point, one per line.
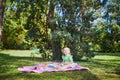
(39, 68)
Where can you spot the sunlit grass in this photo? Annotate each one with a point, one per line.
(21, 53)
(102, 67)
(107, 57)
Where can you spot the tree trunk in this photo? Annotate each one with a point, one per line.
(2, 7)
(56, 47)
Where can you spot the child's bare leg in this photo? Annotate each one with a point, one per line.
(63, 68)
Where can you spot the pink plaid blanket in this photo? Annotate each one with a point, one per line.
(40, 68)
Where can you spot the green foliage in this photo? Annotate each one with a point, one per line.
(117, 70)
(24, 26)
(108, 40)
(13, 31)
(75, 20)
(1, 45)
(45, 54)
(81, 25)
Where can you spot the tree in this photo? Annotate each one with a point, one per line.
(2, 7)
(57, 23)
(108, 39)
(32, 20)
(74, 18)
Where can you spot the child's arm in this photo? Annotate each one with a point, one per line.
(71, 59)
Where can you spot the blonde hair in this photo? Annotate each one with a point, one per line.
(67, 49)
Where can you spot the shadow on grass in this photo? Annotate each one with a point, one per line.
(71, 75)
(6, 58)
(110, 66)
(106, 63)
(8, 62)
(9, 65)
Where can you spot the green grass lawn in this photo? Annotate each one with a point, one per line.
(102, 67)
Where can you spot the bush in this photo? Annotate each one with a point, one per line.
(1, 45)
(117, 70)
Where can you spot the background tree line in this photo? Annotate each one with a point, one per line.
(83, 25)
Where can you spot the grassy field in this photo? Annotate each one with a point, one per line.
(102, 67)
